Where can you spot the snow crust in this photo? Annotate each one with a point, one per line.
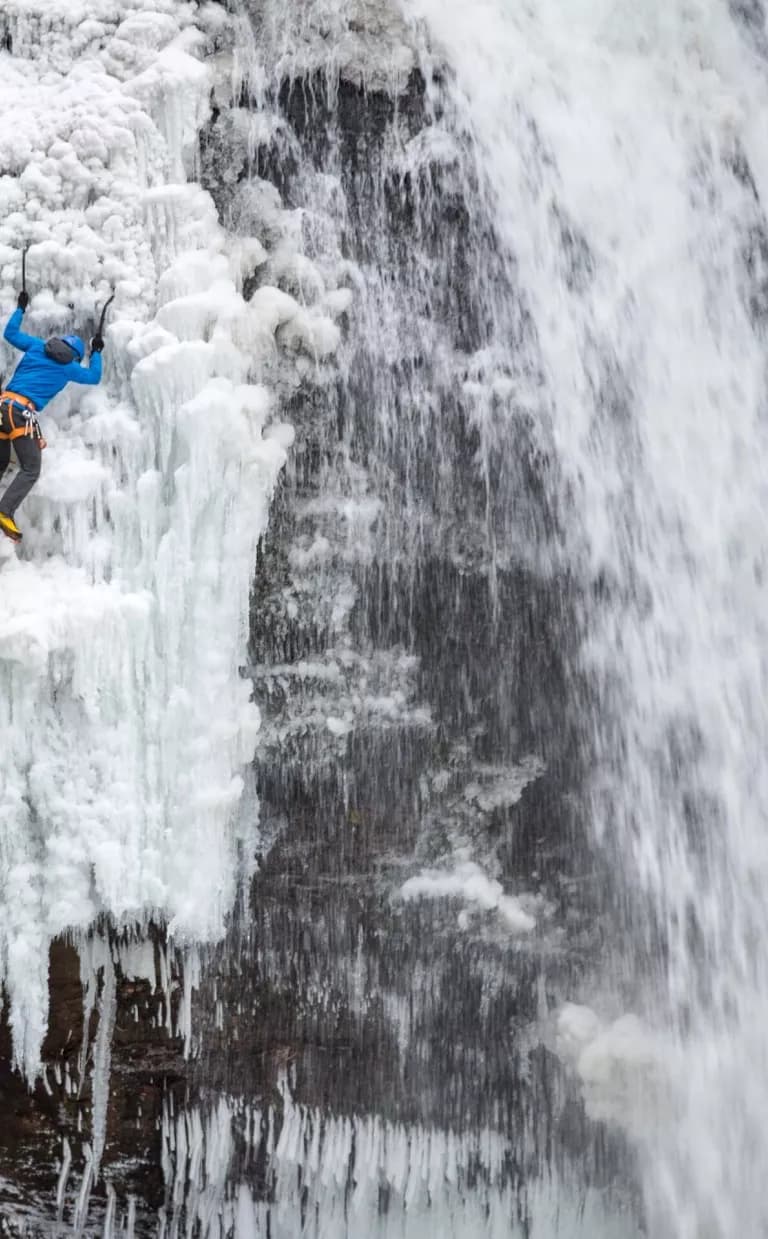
(124, 722)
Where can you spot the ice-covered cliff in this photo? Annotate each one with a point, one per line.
(125, 723)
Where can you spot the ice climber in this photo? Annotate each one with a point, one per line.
(46, 367)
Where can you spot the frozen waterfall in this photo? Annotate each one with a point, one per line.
(126, 726)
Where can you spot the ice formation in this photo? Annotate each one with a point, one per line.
(356, 1175)
(124, 723)
(468, 882)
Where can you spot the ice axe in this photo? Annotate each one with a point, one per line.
(107, 304)
(100, 332)
(23, 301)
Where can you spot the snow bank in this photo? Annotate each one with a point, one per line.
(124, 722)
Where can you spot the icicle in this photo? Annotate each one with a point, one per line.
(81, 1208)
(93, 954)
(130, 1232)
(191, 968)
(422, 1170)
(61, 1186)
(101, 1063)
(109, 1215)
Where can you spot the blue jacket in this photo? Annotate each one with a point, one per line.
(38, 377)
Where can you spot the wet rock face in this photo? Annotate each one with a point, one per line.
(379, 1006)
(448, 577)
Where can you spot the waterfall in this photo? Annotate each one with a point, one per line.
(381, 671)
(619, 149)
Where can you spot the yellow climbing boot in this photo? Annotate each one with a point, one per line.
(10, 528)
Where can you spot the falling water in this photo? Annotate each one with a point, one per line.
(629, 138)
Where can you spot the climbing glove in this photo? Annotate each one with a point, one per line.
(97, 344)
(23, 300)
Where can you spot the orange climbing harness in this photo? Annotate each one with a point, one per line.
(19, 421)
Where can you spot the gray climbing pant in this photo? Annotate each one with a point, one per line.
(28, 449)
